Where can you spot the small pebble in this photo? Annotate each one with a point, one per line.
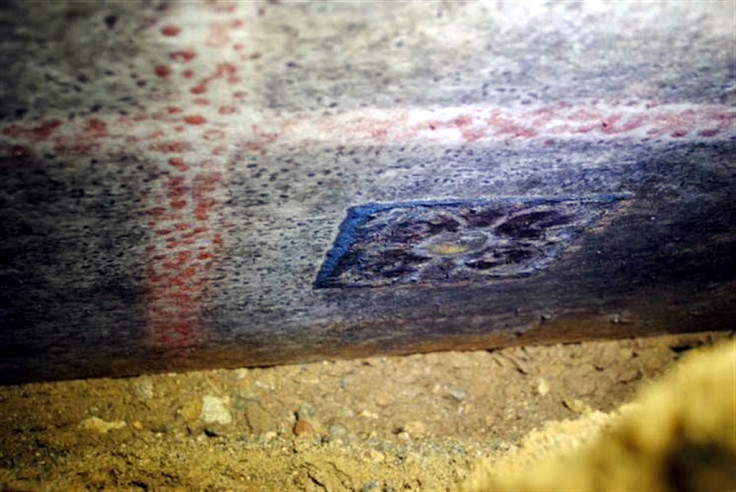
(376, 456)
(458, 394)
(304, 428)
(268, 436)
(305, 410)
(257, 419)
(369, 414)
(542, 386)
(96, 424)
(415, 428)
(218, 430)
(143, 388)
(338, 430)
(577, 406)
(372, 486)
(214, 411)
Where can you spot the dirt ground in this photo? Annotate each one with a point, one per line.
(420, 422)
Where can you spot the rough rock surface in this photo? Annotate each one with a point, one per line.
(368, 424)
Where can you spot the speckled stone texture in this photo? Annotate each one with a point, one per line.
(174, 175)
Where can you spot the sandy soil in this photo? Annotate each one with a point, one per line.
(420, 422)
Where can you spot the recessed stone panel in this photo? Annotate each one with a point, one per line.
(461, 241)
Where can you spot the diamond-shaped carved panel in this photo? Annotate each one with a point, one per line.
(451, 242)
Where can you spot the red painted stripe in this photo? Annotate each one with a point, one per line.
(640, 122)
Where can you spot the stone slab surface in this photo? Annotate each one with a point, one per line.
(213, 183)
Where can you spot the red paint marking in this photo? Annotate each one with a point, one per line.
(178, 164)
(171, 147)
(261, 144)
(204, 184)
(184, 56)
(227, 110)
(181, 299)
(62, 148)
(155, 211)
(45, 130)
(595, 120)
(213, 135)
(504, 125)
(188, 273)
(209, 165)
(18, 152)
(165, 114)
(224, 70)
(170, 30)
(196, 231)
(183, 257)
(155, 135)
(586, 115)
(608, 125)
(177, 191)
(176, 180)
(473, 135)
(40, 132)
(97, 128)
(162, 71)
(203, 209)
(632, 124)
(195, 120)
(577, 130)
(218, 6)
(178, 282)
